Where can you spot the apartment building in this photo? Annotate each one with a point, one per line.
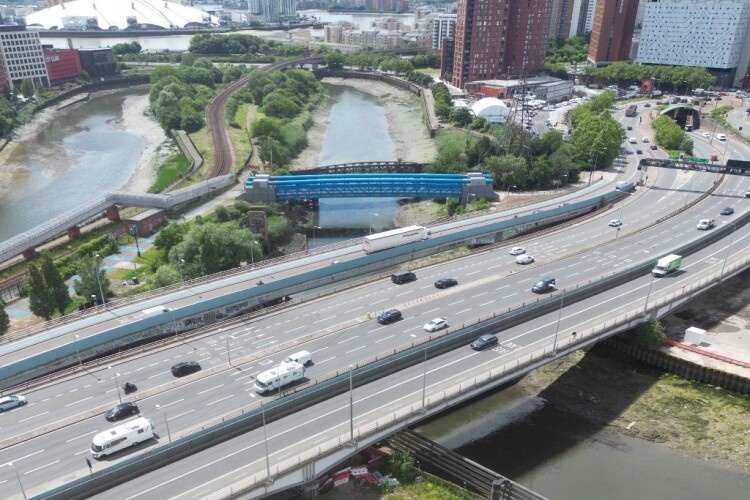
(22, 56)
(612, 31)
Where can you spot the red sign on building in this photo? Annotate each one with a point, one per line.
(62, 65)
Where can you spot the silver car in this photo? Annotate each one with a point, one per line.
(10, 402)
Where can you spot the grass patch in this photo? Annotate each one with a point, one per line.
(169, 172)
(239, 137)
(717, 115)
(202, 141)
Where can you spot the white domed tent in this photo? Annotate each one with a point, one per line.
(491, 109)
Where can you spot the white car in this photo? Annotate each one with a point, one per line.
(615, 223)
(524, 259)
(645, 139)
(706, 135)
(721, 137)
(10, 402)
(705, 224)
(517, 250)
(633, 140)
(435, 324)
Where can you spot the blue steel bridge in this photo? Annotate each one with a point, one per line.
(390, 185)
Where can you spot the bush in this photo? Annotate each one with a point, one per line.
(400, 465)
(649, 335)
(103, 245)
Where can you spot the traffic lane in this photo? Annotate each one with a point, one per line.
(415, 373)
(460, 270)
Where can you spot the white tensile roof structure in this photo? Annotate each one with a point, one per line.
(114, 14)
(491, 109)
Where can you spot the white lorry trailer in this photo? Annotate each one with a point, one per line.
(394, 238)
(666, 265)
(123, 436)
(277, 377)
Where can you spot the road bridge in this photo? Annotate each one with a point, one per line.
(365, 167)
(732, 167)
(271, 189)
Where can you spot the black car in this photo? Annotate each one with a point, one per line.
(122, 410)
(445, 283)
(654, 147)
(630, 128)
(389, 316)
(639, 151)
(727, 211)
(484, 342)
(185, 368)
(647, 105)
(544, 285)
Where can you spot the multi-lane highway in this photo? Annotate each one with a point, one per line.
(344, 332)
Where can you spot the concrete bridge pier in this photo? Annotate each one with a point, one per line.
(113, 213)
(74, 232)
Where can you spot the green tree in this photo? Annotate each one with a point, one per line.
(26, 89)
(209, 248)
(55, 283)
(649, 335)
(164, 276)
(508, 170)
(170, 235)
(461, 116)
(4, 319)
(92, 274)
(335, 60)
(451, 159)
(41, 298)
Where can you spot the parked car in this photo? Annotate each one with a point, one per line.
(615, 223)
(517, 251)
(389, 316)
(524, 259)
(544, 285)
(705, 224)
(435, 324)
(122, 410)
(446, 283)
(727, 211)
(484, 342)
(10, 402)
(185, 368)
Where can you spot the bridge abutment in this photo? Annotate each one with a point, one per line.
(113, 213)
(74, 232)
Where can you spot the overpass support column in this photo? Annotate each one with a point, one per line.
(113, 213)
(74, 232)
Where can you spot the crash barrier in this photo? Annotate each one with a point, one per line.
(237, 302)
(376, 367)
(432, 457)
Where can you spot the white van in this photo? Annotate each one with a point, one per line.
(633, 140)
(121, 437)
(278, 377)
(154, 311)
(302, 357)
(721, 137)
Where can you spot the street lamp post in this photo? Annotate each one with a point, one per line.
(134, 232)
(509, 188)
(166, 423)
(98, 278)
(648, 294)
(265, 443)
(559, 318)
(19, 479)
(351, 405)
(424, 381)
(94, 299)
(371, 221)
(180, 263)
(229, 356)
(593, 165)
(117, 385)
(78, 352)
(314, 228)
(726, 257)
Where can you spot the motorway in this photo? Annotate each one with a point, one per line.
(576, 255)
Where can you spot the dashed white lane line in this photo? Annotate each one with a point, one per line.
(33, 416)
(384, 338)
(211, 389)
(347, 340)
(172, 403)
(82, 435)
(79, 401)
(220, 400)
(354, 350)
(40, 468)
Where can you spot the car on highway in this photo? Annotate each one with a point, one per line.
(747, 193)
(517, 250)
(706, 135)
(727, 211)
(390, 316)
(653, 146)
(185, 368)
(647, 105)
(721, 137)
(644, 139)
(484, 342)
(544, 285)
(639, 151)
(630, 127)
(10, 402)
(122, 410)
(633, 140)
(524, 259)
(615, 223)
(446, 283)
(435, 324)
(705, 224)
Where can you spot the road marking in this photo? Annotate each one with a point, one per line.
(465, 310)
(173, 402)
(386, 338)
(378, 302)
(321, 362)
(87, 450)
(39, 468)
(404, 293)
(357, 349)
(511, 295)
(34, 416)
(486, 303)
(219, 400)
(211, 389)
(180, 415)
(410, 329)
(321, 349)
(80, 400)
(158, 374)
(293, 329)
(324, 319)
(479, 295)
(475, 272)
(27, 456)
(82, 435)
(347, 340)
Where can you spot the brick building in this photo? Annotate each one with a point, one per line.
(612, 31)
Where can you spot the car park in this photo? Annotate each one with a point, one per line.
(10, 402)
(524, 259)
(727, 211)
(544, 285)
(517, 250)
(122, 410)
(435, 324)
(390, 316)
(446, 283)
(185, 368)
(484, 342)
(653, 146)
(615, 223)
(705, 224)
